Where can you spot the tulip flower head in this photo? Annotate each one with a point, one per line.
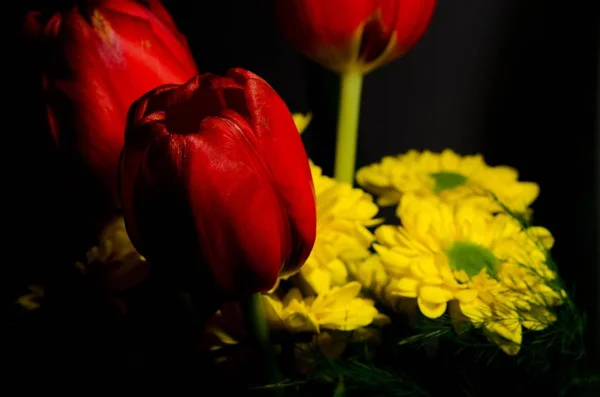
(356, 35)
(215, 184)
(96, 59)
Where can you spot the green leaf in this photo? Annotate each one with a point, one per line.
(340, 390)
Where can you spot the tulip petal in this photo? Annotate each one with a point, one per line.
(324, 30)
(102, 57)
(216, 186)
(240, 224)
(286, 159)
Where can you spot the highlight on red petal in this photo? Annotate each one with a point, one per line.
(358, 35)
(214, 172)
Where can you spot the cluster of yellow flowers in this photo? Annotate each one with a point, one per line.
(114, 263)
(324, 297)
(458, 250)
(450, 177)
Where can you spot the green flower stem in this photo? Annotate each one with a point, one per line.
(347, 130)
(258, 331)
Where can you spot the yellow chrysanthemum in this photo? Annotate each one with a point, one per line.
(371, 274)
(488, 265)
(340, 308)
(448, 176)
(302, 121)
(343, 216)
(114, 261)
(329, 316)
(31, 300)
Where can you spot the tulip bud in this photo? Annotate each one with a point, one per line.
(216, 188)
(357, 35)
(96, 59)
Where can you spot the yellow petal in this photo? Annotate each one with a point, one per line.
(273, 311)
(538, 319)
(425, 266)
(338, 271)
(319, 280)
(301, 322)
(389, 198)
(507, 328)
(433, 280)
(347, 292)
(223, 336)
(302, 121)
(543, 235)
(506, 333)
(392, 261)
(476, 311)
(28, 302)
(381, 320)
(370, 273)
(466, 295)
(405, 286)
(434, 294)
(449, 161)
(293, 294)
(359, 313)
(431, 310)
(371, 175)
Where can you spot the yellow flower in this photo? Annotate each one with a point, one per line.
(343, 216)
(340, 308)
(371, 274)
(492, 268)
(114, 262)
(449, 176)
(302, 121)
(31, 300)
(329, 317)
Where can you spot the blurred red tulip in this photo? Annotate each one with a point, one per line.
(357, 35)
(97, 59)
(215, 185)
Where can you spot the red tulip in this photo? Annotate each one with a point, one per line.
(216, 188)
(356, 35)
(98, 59)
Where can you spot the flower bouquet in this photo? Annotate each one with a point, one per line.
(226, 253)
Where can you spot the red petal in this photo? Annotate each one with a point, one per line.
(284, 153)
(247, 206)
(242, 226)
(318, 28)
(204, 199)
(144, 45)
(98, 68)
(412, 19)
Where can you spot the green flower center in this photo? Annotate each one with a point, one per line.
(447, 180)
(471, 258)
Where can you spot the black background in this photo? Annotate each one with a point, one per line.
(514, 80)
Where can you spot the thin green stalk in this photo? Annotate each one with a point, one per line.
(347, 130)
(258, 330)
